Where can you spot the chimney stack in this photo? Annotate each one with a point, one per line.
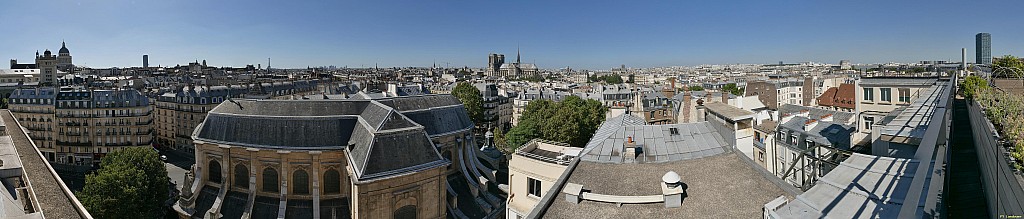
(686, 106)
(826, 117)
(810, 124)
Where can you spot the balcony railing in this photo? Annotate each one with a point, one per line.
(63, 143)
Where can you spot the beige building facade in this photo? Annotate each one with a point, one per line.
(533, 170)
(381, 158)
(78, 126)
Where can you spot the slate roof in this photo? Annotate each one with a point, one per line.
(659, 143)
(862, 186)
(817, 113)
(380, 140)
(824, 133)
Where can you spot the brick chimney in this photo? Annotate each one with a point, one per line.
(725, 97)
(686, 106)
(810, 124)
(826, 117)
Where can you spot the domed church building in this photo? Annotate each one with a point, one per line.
(349, 158)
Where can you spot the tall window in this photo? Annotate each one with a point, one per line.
(904, 94)
(241, 176)
(270, 180)
(533, 186)
(406, 212)
(300, 182)
(869, 94)
(332, 182)
(886, 94)
(214, 171)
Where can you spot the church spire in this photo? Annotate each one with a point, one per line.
(517, 55)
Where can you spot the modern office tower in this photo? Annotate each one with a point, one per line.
(145, 61)
(983, 48)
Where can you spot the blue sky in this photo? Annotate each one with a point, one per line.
(578, 34)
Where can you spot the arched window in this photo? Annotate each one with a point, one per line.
(300, 180)
(214, 171)
(332, 182)
(405, 212)
(241, 176)
(270, 180)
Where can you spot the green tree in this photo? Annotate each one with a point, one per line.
(499, 140)
(131, 183)
(631, 77)
(572, 121)
(1008, 66)
(471, 99)
(732, 88)
(972, 85)
(696, 88)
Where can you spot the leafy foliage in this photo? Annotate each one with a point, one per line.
(530, 78)
(971, 85)
(471, 99)
(131, 183)
(732, 88)
(610, 79)
(1008, 66)
(1004, 110)
(696, 88)
(572, 121)
(499, 140)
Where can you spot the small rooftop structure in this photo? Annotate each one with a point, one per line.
(728, 111)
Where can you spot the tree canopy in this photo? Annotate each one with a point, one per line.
(1008, 66)
(610, 79)
(471, 99)
(696, 88)
(972, 85)
(131, 183)
(572, 121)
(732, 88)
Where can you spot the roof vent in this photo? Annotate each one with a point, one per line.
(671, 179)
(673, 131)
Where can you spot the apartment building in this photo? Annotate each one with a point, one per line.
(878, 96)
(533, 170)
(35, 110)
(78, 126)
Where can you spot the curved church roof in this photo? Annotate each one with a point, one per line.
(382, 136)
(63, 49)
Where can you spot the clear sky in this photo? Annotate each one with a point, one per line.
(581, 34)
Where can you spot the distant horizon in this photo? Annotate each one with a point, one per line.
(577, 34)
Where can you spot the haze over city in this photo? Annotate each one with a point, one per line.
(552, 34)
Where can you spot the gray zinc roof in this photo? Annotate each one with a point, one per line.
(381, 140)
(660, 143)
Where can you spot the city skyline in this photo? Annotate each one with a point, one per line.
(581, 35)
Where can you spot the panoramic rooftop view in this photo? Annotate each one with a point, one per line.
(511, 109)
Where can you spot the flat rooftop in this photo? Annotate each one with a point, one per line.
(729, 111)
(719, 186)
(909, 125)
(54, 198)
(898, 81)
(862, 186)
